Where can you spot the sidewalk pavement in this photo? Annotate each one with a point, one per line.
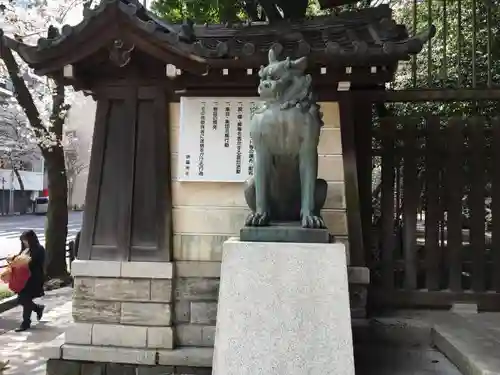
(26, 351)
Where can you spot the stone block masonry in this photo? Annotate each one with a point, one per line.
(146, 308)
(196, 309)
(67, 367)
(124, 305)
(207, 214)
(146, 315)
(196, 289)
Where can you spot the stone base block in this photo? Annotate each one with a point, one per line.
(122, 312)
(70, 367)
(109, 354)
(283, 310)
(88, 360)
(120, 335)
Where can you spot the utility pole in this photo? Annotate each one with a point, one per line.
(3, 195)
(11, 195)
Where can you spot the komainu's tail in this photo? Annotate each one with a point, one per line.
(316, 113)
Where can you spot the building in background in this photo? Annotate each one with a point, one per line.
(21, 163)
(78, 134)
(14, 199)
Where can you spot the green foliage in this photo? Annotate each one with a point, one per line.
(5, 292)
(464, 53)
(210, 11)
(458, 54)
(200, 11)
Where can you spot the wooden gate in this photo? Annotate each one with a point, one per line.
(436, 200)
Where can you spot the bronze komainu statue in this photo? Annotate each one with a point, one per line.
(285, 132)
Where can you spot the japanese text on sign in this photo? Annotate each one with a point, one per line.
(216, 153)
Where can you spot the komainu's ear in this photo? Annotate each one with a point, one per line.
(299, 64)
(272, 56)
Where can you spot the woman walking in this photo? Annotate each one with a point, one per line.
(34, 286)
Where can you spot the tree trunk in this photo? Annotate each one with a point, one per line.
(57, 215)
(24, 200)
(19, 179)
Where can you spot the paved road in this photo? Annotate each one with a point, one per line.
(11, 228)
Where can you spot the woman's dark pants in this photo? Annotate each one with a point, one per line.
(29, 307)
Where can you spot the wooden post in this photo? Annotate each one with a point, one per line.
(356, 249)
(128, 194)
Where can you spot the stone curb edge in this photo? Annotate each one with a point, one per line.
(8, 303)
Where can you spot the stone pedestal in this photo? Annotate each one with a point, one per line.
(285, 232)
(283, 310)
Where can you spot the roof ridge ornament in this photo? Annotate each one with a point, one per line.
(120, 53)
(276, 10)
(186, 32)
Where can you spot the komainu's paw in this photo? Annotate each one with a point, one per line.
(258, 219)
(313, 221)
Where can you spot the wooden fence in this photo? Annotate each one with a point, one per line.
(437, 221)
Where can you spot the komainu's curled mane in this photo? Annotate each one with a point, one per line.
(285, 133)
(293, 90)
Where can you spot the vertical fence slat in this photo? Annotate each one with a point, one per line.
(414, 57)
(495, 193)
(429, 44)
(488, 45)
(459, 43)
(388, 130)
(410, 203)
(474, 43)
(477, 175)
(454, 188)
(432, 207)
(445, 41)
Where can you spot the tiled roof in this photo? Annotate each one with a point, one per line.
(364, 37)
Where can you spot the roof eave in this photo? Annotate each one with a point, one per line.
(111, 20)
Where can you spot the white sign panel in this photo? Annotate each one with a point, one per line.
(214, 139)
(32, 180)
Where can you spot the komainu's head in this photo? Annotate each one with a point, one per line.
(279, 77)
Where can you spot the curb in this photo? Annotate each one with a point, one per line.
(8, 303)
(11, 302)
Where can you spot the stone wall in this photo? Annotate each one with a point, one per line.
(125, 305)
(196, 292)
(65, 367)
(206, 214)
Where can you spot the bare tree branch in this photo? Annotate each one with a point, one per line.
(22, 93)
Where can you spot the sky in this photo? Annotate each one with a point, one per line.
(76, 14)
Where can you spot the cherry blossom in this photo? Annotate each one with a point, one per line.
(27, 21)
(42, 104)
